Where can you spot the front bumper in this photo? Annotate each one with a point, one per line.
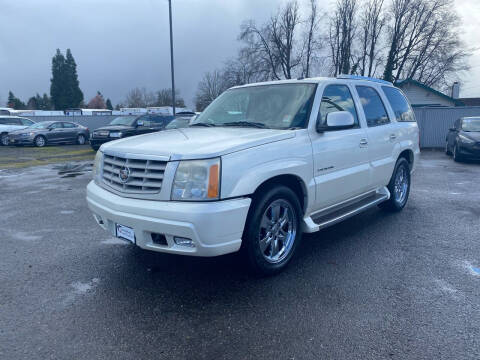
(470, 151)
(20, 140)
(96, 142)
(215, 227)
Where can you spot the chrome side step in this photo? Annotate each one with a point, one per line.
(331, 216)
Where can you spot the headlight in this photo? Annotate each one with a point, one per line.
(97, 166)
(197, 180)
(465, 139)
(116, 134)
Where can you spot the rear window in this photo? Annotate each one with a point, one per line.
(400, 106)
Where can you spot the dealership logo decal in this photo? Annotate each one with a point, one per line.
(124, 174)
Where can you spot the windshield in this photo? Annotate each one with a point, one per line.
(41, 125)
(123, 120)
(471, 125)
(279, 106)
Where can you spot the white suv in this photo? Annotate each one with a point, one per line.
(261, 165)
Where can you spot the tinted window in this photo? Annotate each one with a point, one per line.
(7, 121)
(56, 125)
(27, 122)
(336, 98)
(373, 107)
(403, 111)
(69, 125)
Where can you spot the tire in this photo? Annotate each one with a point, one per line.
(273, 255)
(81, 140)
(4, 139)
(40, 141)
(456, 156)
(94, 147)
(447, 150)
(401, 181)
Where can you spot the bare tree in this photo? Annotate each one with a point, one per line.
(164, 98)
(312, 38)
(140, 97)
(370, 29)
(210, 87)
(341, 37)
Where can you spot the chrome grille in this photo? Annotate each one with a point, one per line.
(145, 176)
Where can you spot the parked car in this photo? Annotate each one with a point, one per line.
(179, 122)
(12, 123)
(463, 140)
(260, 166)
(125, 126)
(50, 132)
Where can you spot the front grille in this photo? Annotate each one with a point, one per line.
(100, 133)
(144, 176)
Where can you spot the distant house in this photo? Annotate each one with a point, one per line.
(421, 95)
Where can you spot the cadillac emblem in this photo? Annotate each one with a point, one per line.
(124, 174)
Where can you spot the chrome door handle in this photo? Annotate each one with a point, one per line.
(393, 136)
(363, 142)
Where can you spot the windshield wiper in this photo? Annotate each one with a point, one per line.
(203, 124)
(245, 123)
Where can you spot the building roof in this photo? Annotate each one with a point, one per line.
(470, 101)
(399, 83)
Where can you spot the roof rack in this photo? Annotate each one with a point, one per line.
(358, 77)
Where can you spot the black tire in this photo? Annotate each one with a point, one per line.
(256, 259)
(396, 203)
(456, 156)
(447, 150)
(81, 139)
(4, 139)
(95, 147)
(40, 141)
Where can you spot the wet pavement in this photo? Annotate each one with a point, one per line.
(378, 286)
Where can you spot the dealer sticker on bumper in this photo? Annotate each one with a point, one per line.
(125, 232)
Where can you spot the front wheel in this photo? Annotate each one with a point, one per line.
(456, 154)
(272, 231)
(447, 150)
(4, 139)
(40, 141)
(399, 187)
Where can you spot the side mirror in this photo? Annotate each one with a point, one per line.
(50, 129)
(452, 129)
(337, 120)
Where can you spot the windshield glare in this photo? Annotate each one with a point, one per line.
(123, 120)
(40, 125)
(471, 125)
(279, 106)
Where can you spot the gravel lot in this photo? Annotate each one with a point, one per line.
(378, 286)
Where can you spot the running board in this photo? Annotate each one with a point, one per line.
(333, 215)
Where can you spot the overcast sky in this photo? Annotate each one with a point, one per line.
(121, 44)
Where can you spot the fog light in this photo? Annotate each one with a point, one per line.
(183, 241)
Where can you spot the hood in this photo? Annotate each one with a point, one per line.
(23, 129)
(12, 128)
(114, 127)
(474, 135)
(197, 142)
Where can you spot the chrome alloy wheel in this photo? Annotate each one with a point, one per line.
(401, 185)
(278, 229)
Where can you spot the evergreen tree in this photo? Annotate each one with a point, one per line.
(15, 102)
(64, 89)
(109, 105)
(32, 103)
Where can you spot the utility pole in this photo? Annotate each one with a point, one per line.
(171, 56)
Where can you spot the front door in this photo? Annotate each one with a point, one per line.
(341, 164)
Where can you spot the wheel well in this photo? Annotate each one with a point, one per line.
(407, 155)
(292, 181)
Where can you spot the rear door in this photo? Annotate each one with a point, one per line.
(381, 134)
(69, 131)
(341, 163)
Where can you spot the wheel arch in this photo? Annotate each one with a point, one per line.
(408, 155)
(294, 182)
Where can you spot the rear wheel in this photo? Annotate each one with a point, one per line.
(4, 139)
(272, 231)
(40, 141)
(81, 139)
(399, 187)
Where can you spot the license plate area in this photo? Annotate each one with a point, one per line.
(125, 232)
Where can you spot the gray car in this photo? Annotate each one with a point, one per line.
(50, 132)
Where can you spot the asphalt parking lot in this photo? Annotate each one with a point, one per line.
(378, 286)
